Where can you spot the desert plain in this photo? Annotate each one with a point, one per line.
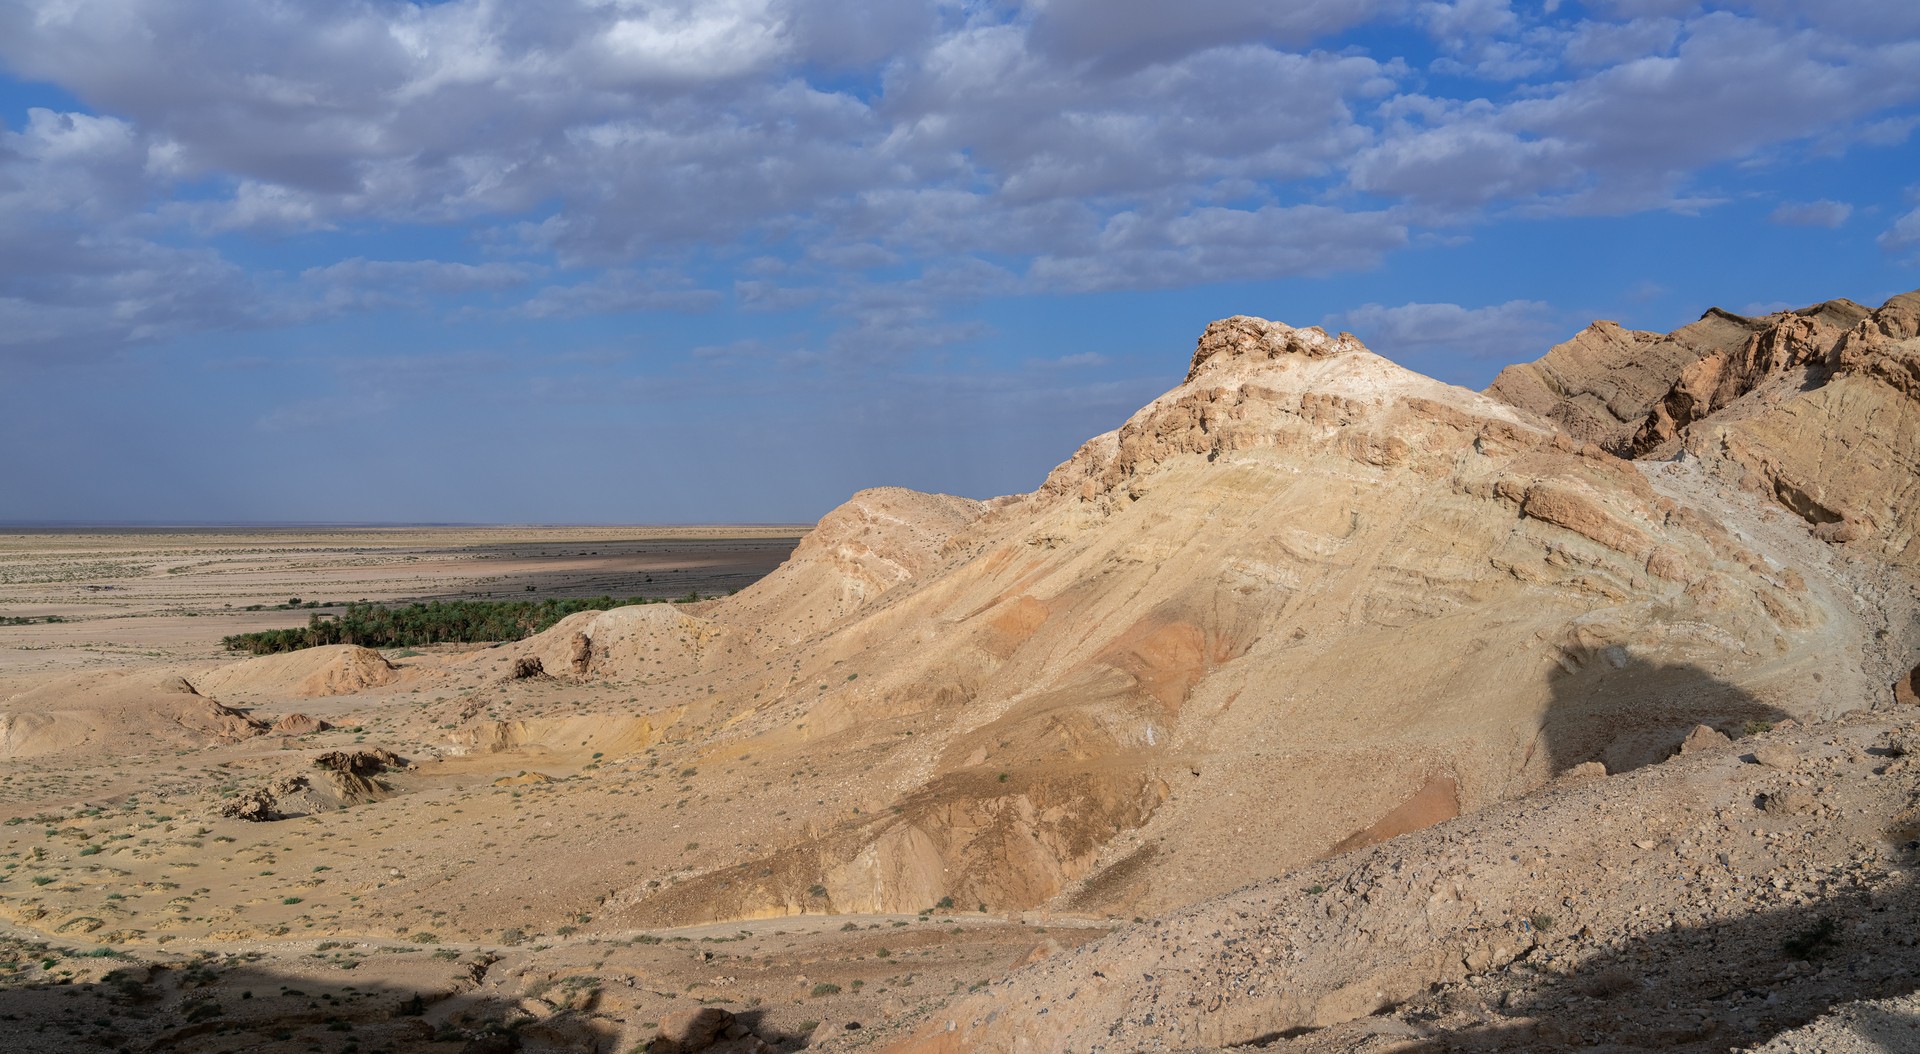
(1321, 706)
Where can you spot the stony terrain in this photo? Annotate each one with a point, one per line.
(1702, 904)
(1319, 706)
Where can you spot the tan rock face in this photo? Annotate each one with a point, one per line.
(1792, 347)
(1601, 386)
(1841, 456)
(1817, 410)
(1306, 599)
(1906, 690)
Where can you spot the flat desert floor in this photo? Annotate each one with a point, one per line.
(164, 595)
(429, 905)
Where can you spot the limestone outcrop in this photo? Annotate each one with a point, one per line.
(1302, 563)
(1817, 410)
(1600, 386)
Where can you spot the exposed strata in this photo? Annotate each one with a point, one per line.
(1303, 562)
(1817, 410)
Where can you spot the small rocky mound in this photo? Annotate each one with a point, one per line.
(524, 779)
(359, 762)
(257, 806)
(879, 539)
(344, 778)
(121, 711)
(310, 673)
(526, 668)
(299, 725)
(708, 1028)
(621, 642)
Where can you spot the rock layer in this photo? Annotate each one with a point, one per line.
(1305, 582)
(1817, 410)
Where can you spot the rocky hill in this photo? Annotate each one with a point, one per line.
(1303, 602)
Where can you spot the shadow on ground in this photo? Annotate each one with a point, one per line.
(237, 1002)
(1721, 986)
(1612, 706)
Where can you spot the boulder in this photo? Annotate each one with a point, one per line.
(1788, 801)
(298, 725)
(1704, 738)
(256, 806)
(688, 1031)
(526, 668)
(1906, 690)
(359, 762)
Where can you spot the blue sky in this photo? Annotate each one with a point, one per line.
(730, 260)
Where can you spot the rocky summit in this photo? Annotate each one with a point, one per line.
(1320, 706)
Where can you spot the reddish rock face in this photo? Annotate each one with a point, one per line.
(1906, 690)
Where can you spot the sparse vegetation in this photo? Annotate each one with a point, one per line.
(439, 622)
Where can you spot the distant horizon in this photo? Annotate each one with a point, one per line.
(33, 525)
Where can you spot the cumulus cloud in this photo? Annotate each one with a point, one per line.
(1128, 32)
(1517, 329)
(1904, 234)
(619, 290)
(1627, 135)
(364, 283)
(1822, 213)
(877, 161)
(1214, 244)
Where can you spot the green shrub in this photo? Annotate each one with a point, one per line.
(452, 621)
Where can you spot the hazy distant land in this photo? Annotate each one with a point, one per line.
(171, 593)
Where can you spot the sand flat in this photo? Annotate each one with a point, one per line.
(157, 595)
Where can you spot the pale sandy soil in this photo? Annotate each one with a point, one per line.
(159, 595)
(132, 916)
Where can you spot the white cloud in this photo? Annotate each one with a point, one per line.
(1133, 32)
(810, 152)
(1822, 213)
(1517, 329)
(1466, 163)
(1628, 135)
(619, 290)
(1904, 234)
(1214, 244)
(1078, 360)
